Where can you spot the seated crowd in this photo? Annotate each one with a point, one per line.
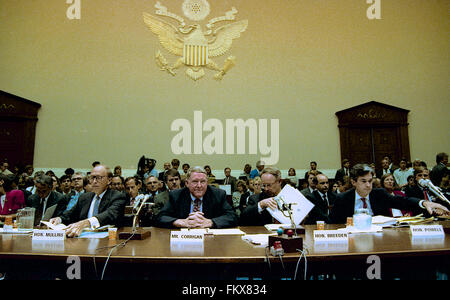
(193, 198)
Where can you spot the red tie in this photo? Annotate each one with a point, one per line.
(196, 205)
(425, 194)
(364, 202)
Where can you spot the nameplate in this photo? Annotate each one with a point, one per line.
(427, 230)
(48, 235)
(330, 235)
(187, 236)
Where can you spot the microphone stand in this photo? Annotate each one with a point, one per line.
(136, 233)
(433, 189)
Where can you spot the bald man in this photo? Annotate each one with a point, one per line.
(100, 207)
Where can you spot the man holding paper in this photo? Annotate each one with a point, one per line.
(100, 207)
(376, 201)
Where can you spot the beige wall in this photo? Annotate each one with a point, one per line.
(299, 61)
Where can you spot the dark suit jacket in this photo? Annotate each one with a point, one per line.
(110, 210)
(417, 192)
(251, 217)
(380, 202)
(215, 207)
(340, 174)
(160, 200)
(54, 198)
(320, 211)
(232, 182)
(437, 173)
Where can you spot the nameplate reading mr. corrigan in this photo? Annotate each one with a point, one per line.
(186, 236)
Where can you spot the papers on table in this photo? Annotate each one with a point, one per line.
(384, 221)
(54, 227)
(274, 227)
(206, 231)
(260, 240)
(300, 206)
(352, 229)
(15, 231)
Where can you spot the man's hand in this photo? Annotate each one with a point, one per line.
(436, 209)
(194, 220)
(198, 220)
(75, 229)
(269, 202)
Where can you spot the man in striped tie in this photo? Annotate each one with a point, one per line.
(197, 205)
(102, 206)
(376, 201)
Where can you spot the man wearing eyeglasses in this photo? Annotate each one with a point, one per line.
(256, 214)
(100, 207)
(197, 205)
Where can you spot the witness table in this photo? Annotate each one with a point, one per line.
(225, 257)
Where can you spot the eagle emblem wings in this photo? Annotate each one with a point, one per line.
(194, 45)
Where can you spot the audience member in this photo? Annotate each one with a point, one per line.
(209, 174)
(237, 195)
(161, 174)
(45, 198)
(11, 200)
(390, 185)
(173, 181)
(117, 171)
(247, 171)
(292, 177)
(440, 169)
(66, 185)
(401, 174)
(152, 187)
(175, 165)
(229, 180)
(312, 167)
(117, 183)
(312, 182)
(257, 172)
(323, 199)
(344, 171)
(4, 168)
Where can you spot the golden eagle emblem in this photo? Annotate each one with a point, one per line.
(195, 46)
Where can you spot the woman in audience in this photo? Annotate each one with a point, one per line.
(292, 177)
(388, 183)
(237, 195)
(11, 200)
(211, 177)
(257, 185)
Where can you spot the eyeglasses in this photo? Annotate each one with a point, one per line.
(96, 177)
(201, 182)
(268, 185)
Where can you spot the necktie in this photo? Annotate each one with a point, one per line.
(96, 204)
(425, 194)
(325, 198)
(196, 205)
(364, 202)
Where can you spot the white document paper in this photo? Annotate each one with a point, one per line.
(54, 227)
(300, 206)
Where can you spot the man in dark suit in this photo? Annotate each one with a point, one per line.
(344, 171)
(44, 198)
(100, 207)
(323, 199)
(440, 169)
(197, 205)
(376, 201)
(229, 179)
(173, 182)
(256, 214)
(420, 192)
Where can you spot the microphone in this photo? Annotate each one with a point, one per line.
(137, 201)
(427, 183)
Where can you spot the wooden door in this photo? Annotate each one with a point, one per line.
(370, 131)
